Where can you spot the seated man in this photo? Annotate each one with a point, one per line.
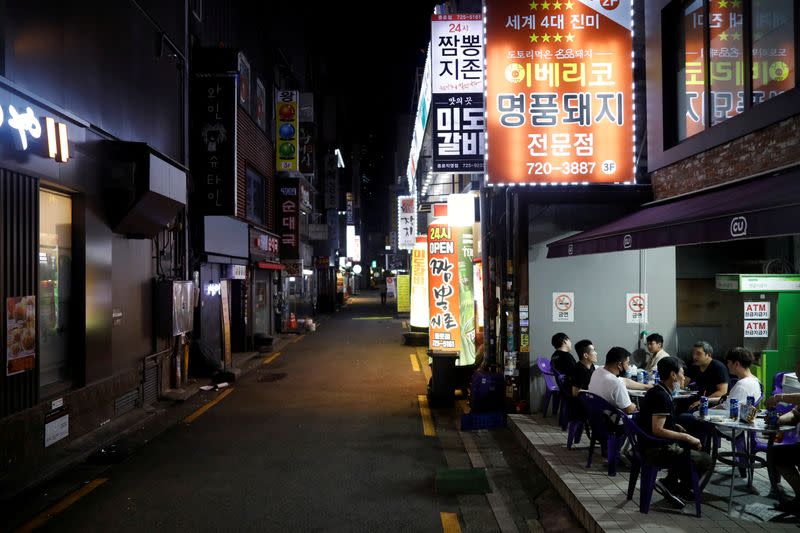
(582, 372)
(709, 375)
(657, 418)
(786, 458)
(607, 383)
(562, 361)
(655, 349)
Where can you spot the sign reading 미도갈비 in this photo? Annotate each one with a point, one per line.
(444, 329)
(559, 80)
(756, 310)
(457, 93)
(406, 222)
(563, 307)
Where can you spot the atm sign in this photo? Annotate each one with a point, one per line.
(756, 310)
(756, 329)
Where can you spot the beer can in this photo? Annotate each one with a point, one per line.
(645, 377)
(772, 419)
(751, 400)
(734, 408)
(704, 406)
(656, 376)
(640, 377)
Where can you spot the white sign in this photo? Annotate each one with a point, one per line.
(420, 123)
(756, 329)
(57, 404)
(350, 241)
(56, 430)
(457, 53)
(238, 272)
(357, 248)
(406, 222)
(391, 288)
(563, 307)
(769, 284)
(756, 310)
(636, 308)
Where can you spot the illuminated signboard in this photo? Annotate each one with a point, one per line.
(559, 96)
(419, 283)
(350, 241)
(286, 124)
(406, 222)
(457, 93)
(420, 123)
(30, 131)
(444, 332)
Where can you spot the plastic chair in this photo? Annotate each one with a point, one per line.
(600, 414)
(777, 383)
(552, 391)
(649, 471)
(564, 393)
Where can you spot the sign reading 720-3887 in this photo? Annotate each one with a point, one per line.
(559, 81)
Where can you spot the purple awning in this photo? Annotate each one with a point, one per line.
(762, 207)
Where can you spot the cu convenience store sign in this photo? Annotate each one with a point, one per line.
(559, 92)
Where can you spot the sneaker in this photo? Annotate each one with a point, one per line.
(669, 497)
(789, 507)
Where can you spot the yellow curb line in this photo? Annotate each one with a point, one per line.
(60, 507)
(192, 417)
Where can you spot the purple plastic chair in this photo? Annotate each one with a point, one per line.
(600, 414)
(552, 391)
(777, 382)
(649, 471)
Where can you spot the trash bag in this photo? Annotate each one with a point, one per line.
(204, 359)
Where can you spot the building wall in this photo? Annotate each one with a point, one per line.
(773, 147)
(256, 151)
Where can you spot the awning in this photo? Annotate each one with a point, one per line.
(761, 207)
(265, 265)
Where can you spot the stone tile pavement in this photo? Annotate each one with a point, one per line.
(599, 502)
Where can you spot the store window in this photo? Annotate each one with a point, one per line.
(727, 56)
(255, 196)
(55, 287)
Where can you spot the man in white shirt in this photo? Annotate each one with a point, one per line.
(606, 381)
(655, 347)
(739, 361)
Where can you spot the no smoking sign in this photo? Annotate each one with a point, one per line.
(563, 307)
(636, 308)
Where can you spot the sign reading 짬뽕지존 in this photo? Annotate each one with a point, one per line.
(457, 93)
(559, 80)
(444, 328)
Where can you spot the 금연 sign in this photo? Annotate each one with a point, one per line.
(563, 307)
(406, 222)
(559, 96)
(457, 93)
(756, 310)
(636, 308)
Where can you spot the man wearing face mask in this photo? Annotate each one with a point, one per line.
(609, 382)
(657, 418)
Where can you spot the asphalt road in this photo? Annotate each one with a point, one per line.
(327, 436)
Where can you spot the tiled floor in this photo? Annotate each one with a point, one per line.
(599, 500)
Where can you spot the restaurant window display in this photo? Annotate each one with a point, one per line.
(55, 286)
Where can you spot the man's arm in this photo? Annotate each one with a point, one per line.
(722, 390)
(784, 398)
(630, 409)
(635, 385)
(663, 433)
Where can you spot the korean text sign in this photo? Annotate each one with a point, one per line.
(457, 93)
(559, 81)
(286, 124)
(406, 222)
(444, 331)
(419, 283)
(289, 217)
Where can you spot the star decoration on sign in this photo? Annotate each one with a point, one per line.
(545, 5)
(557, 5)
(736, 3)
(570, 37)
(723, 36)
(534, 5)
(557, 38)
(545, 38)
(534, 38)
(569, 4)
(736, 36)
(723, 3)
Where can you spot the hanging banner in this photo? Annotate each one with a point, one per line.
(406, 222)
(403, 293)
(457, 93)
(463, 237)
(420, 123)
(289, 221)
(559, 80)
(261, 105)
(419, 283)
(286, 130)
(244, 82)
(391, 287)
(444, 330)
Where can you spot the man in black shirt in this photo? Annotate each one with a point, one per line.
(562, 360)
(657, 418)
(582, 371)
(709, 375)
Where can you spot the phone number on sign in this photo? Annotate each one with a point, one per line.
(545, 169)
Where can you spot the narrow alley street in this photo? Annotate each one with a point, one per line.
(325, 435)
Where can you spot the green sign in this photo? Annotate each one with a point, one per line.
(769, 283)
(466, 299)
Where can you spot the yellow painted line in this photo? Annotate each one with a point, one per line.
(60, 507)
(450, 523)
(373, 318)
(427, 422)
(298, 338)
(271, 358)
(192, 417)
(414, 362)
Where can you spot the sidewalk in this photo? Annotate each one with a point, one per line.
(600, 503)
(145, 420)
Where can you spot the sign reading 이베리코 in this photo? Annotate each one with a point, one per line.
(559, 82)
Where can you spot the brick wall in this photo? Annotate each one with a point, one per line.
(256, 151)
(770, 148)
